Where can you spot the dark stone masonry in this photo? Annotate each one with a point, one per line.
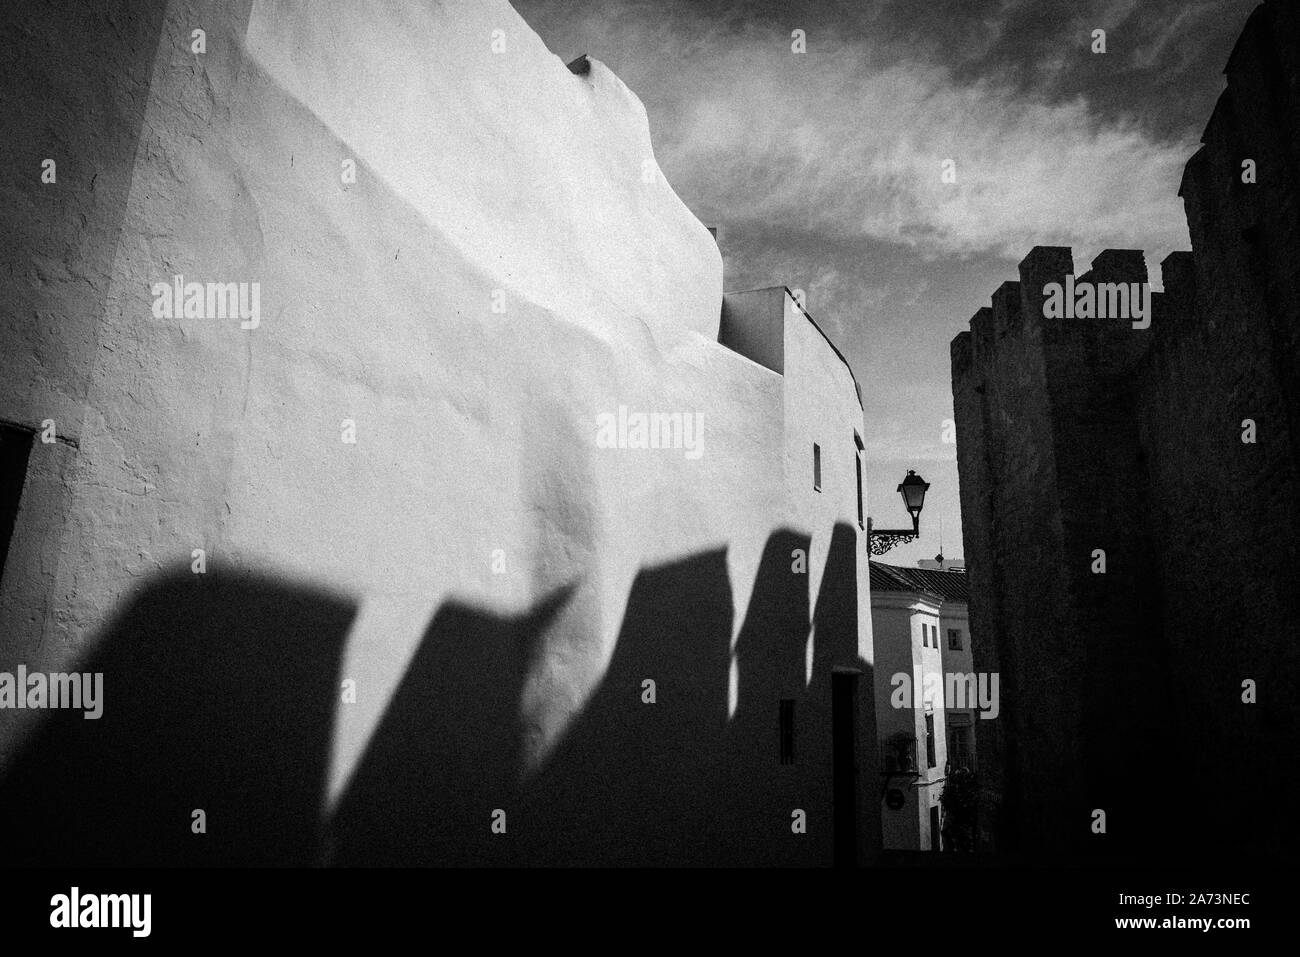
(1124, 690)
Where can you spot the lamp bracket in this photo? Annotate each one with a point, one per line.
(887, 538)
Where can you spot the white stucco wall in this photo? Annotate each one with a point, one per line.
(483, 179)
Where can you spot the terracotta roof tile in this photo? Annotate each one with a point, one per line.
(950, 586)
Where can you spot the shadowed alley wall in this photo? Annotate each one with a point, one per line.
(1084, 434)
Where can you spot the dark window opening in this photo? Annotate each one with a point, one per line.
(954, 639)
(15, 446)
(787, 731)
(959, 749)
(899, 752)
(929, 740)
(817, 467)
(857, 462)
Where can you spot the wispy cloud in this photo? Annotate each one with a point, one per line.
(848, 140)
(1149, 54)
(832, 143)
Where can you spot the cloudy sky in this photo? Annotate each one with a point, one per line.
(822, 170)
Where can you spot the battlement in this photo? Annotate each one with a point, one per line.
(1242, 180)
(1103, 315)
(1267, 49)
(959, 352)
(1178, 274)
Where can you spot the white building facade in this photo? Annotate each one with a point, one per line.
(921, 632)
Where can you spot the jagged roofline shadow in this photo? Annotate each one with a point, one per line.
(163, 608)
(201, 711)
(591, 728)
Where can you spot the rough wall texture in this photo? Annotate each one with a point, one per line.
(1226, 514)
(508, 266)
(1083, 434)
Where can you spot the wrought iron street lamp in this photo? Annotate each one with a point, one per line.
(913, 489)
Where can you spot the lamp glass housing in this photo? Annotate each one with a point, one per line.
(913, 489)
